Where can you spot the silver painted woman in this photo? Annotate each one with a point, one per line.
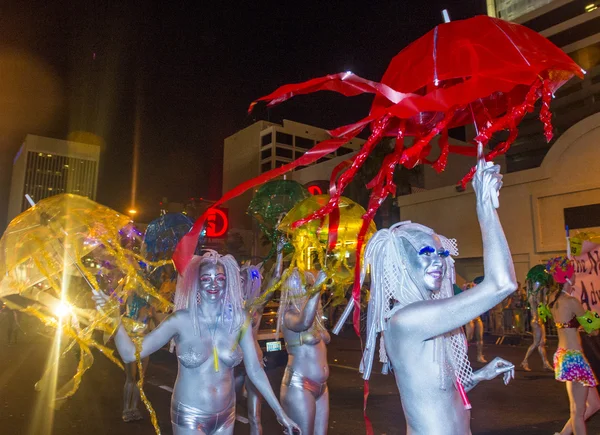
(211, 333)
(251, 279)
(538, 283)
(304, 394)
(412, 303)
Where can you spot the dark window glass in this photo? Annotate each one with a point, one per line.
(265, 167)
(279, 163)
(576, 33)
(266, 139)
(566, 90)
(557, 16)
(298, 154)
(284, 138)
(458, 133)
(342, 151)
(266, 153)
(283, 152)
(302, 142)
(585, 216)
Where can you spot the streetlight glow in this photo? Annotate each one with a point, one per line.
(62, 309)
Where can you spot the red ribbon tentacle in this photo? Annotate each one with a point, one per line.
(349, 174)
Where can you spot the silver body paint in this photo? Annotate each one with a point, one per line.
(432, 404)
(304, 394)
(198, 384)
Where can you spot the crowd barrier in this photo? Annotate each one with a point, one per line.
(512, 322)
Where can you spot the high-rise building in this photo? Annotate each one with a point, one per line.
(261, 147)
(574, 26)
(44, 167)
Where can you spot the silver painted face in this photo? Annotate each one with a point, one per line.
(212, 282)
(426, 260)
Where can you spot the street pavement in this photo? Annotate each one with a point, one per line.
(534, 403)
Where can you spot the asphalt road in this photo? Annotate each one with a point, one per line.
(532, 404)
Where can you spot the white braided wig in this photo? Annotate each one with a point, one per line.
(392, 288)
(251, 279)
(187, 296)
(293, 295)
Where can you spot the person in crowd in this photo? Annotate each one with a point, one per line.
(538, 284)
(304, 393)
(211, 334)
(143, 317)
(412, 304)
(474, 329)
(255, 301)
(570, 364)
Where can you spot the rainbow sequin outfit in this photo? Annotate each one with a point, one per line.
(571, 365)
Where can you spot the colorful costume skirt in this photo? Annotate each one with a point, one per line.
(571, 365)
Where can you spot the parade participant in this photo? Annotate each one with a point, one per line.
(570, 364)
(304, 394)
(251, 280)
(538, 283)
(210, 331)
(140, 311)
(412, 303)
(12, 330)
(474, 328)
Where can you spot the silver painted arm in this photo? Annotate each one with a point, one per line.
(429, 319)
(497, 366)
(303, 320)
(257, 375)
(151, 342)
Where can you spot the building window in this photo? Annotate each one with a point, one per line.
(576, 33)
(265, 167)
(266, 139)
(553, 17)
(265, 154)
(283, 152)
(280, 163)
(342, 151)
(585, 216)
(284, 138)
(298, 154)
(302, 142)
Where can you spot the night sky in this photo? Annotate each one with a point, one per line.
(189, 73)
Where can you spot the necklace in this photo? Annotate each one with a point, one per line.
(213, 331)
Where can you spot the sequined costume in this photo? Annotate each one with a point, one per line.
(571, 365)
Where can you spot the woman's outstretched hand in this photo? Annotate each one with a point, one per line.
(487, 183)
(498, 366)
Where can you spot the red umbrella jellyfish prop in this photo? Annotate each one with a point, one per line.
(482, 70)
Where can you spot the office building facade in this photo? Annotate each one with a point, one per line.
(261, 147)
(44, 167)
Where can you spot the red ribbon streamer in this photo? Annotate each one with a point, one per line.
(187, 245)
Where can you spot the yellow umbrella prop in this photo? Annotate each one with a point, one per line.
(59, 250)
(310, 241)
